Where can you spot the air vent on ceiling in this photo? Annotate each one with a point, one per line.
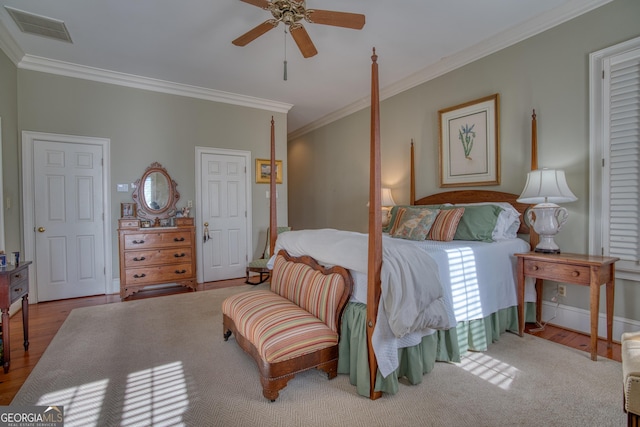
(40, 25)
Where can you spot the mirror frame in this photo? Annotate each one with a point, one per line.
(144, 210)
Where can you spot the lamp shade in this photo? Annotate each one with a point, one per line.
(546, 186)
(386, 199)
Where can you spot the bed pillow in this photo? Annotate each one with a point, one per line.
(393, 215)
(413, 223)
(445, 226)
(477, 223)
(508, 222)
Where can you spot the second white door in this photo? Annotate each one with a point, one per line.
(224, 210)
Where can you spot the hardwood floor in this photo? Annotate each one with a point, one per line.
(46, 318)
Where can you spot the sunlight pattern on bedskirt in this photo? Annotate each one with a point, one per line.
(415, 361)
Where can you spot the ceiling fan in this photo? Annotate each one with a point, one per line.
(291, 12)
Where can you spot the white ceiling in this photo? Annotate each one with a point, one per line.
(184, 46)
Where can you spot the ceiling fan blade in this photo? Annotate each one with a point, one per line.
(264, 4)
(254, 33)
(337, 19)
(303, 41)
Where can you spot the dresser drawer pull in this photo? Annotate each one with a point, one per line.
(18, 276)
(139, 276)
(139, 259)
(17, 290)
(181, 271)
(178, 239)
(138, 242)
(535, 268)
(575, 273)
(180, 255)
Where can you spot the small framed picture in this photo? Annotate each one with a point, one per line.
(128, 210)
(145, 223)
(263, 171)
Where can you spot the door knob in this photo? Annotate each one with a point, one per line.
(41, 229)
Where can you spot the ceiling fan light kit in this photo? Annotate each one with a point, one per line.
(291, 13)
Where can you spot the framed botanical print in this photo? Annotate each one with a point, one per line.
(470, 143)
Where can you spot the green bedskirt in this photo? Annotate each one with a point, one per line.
(442, 346)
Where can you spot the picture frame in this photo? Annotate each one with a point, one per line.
(263, 171)
(470, 143)
(128, 210)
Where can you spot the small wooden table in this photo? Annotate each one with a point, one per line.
(588, 270)
(14, 284)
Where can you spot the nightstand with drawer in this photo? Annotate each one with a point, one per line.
(587, 270)
(14, 284)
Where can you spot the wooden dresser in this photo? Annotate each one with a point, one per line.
(156, 255)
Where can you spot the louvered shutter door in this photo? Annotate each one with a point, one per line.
(623, 237)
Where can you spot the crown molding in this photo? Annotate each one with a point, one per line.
(9, 45)
(500, 41)
(45, 65)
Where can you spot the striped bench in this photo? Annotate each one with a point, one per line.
(295, 325)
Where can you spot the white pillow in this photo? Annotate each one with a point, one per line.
(508, 221)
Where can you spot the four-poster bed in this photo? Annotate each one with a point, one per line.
(438, 333)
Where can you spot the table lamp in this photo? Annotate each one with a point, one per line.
(546, 187)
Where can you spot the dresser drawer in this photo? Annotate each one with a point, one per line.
(134, 259)
(128, 223)
(19, 284)
(159, 274)
(557, 272)
(157, 239)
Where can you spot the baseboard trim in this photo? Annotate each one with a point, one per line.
(579, 320)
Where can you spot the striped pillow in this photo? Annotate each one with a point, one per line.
(445, 225)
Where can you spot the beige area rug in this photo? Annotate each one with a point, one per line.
(163, 361)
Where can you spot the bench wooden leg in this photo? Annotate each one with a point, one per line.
(271, 387)
(330, 368)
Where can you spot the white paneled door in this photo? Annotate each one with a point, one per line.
(224, 216)
(68, 219)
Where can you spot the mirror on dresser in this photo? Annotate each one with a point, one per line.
(156, 194)
(155, 246)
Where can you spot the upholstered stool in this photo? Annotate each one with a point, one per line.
(631, 376)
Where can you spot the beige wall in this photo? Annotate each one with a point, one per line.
(328, 168)
(144, 127)
(10, 149)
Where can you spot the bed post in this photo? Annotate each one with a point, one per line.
(534, 141)
(412, 195)
(375, 228)
(534, 239)
(273, 219)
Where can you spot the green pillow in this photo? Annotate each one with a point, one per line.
(477, 222)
